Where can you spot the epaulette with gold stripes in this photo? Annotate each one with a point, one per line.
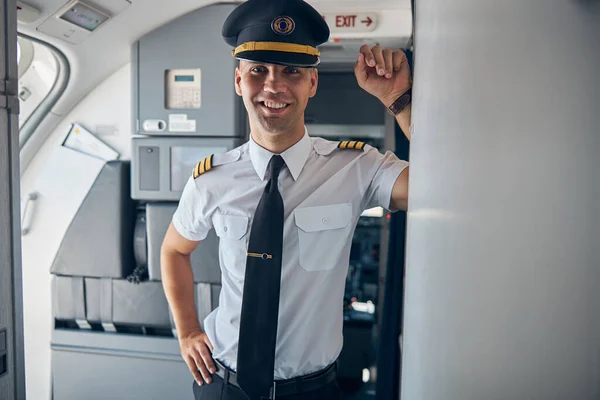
(203, 166)
(351, 145)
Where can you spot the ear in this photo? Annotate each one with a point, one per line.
(314, 80)
(238, 79)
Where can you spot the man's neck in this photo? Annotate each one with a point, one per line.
(277, 143)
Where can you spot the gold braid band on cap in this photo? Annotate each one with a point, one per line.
(276, 46)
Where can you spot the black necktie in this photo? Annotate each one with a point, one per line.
(260, 301)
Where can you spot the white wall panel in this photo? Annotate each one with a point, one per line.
(503, 268)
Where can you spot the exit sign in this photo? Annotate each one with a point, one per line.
(351, 22)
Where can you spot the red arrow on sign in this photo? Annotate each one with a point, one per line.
(367, 21)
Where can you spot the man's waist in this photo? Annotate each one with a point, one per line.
(291, 386)
(285, 371)
(293, 359)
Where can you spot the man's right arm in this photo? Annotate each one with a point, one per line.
(178, 283)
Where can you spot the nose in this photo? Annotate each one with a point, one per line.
(274, 83)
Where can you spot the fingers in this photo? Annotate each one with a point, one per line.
(380, 62)
(399, 58)
(201, 366)
(368, 55)
(360, 69)
(207, 360)
(389, 62)
(193, 369)
(198, 358)
(385, 61)
(209, 344)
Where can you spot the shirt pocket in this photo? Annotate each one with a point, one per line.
(323, 233)
(232, 232)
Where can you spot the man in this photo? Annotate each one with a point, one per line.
(284, 206)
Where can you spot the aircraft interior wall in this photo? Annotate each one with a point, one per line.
(502, 284)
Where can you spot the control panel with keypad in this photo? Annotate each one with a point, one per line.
(182, 89)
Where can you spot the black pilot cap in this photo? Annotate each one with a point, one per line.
(285, 32)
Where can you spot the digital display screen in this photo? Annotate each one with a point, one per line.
(183, 161)
(184, 78)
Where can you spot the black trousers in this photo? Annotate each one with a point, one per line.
(219, 390)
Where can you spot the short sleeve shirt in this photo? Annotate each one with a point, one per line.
(325, 189)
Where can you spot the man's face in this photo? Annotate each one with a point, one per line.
(275, 95)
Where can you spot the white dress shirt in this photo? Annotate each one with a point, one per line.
(324, 189)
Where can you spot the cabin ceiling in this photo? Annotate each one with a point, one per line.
(109, 47)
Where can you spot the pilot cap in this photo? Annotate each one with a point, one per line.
(285, 32)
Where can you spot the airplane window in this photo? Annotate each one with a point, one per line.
(38, 70)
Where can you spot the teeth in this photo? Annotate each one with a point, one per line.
(275, 105)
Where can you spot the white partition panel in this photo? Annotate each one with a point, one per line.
(503, 253)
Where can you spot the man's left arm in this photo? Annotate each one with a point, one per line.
(400, 191)
(385, 74)
(403, 119)
(399, 199)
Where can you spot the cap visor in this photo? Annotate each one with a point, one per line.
(281, 58)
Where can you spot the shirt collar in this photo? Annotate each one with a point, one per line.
(295, 157)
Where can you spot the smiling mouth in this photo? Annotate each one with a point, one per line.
(274, 107)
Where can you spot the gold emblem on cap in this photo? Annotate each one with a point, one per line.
(283, 25)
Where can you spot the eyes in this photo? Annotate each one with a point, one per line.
(259, 69)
